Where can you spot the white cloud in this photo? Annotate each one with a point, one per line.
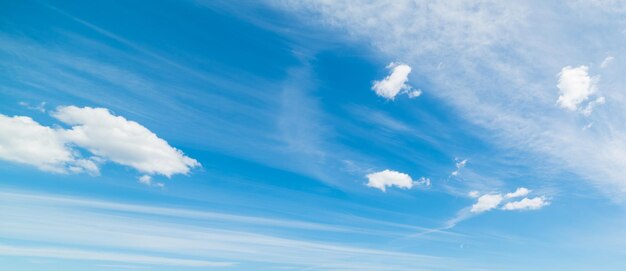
(486, 203)
(107, 137)
(41, 107)
(491, 201)
(395, 82)
(575, 86)
(591, 105)
(25, 141)
(606, 62)
(520, 192)
(526, 204)
(122, 141)
(388, 178)
(457, 45)
(414, 93)
(460, 164)
(147, 180)
(473, 194)
(422, 181)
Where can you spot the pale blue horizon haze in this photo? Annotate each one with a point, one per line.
(312, 135)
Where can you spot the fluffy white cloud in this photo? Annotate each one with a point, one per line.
(122, 141)
(575, 86)
(486, 203)
(106, 136)
(387, 178)
(395, 82)
(520, 192)
(526, 204)
(25, 141)
(491, 201)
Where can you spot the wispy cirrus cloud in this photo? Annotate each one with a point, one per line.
(458, 45)
(90, 232)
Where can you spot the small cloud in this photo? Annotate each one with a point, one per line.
(388, 178)
(41, 107)
(591, 105)
(607, 61)
(422, 181)
(575, 86)
(395, 83)
(526, 204)
(414, 93)
(520, 192)
(460, 164)
(473, 194)
(147, 180)
(491, 201)
(486, 203)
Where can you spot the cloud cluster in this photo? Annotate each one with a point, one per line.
(491, 201)
(94, 132)
(575, 87)
(458, 46)
(388, 178)
(395, 83)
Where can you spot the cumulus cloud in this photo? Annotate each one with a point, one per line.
(520, 192)
(526, 204)
(25, 141)
(103, 135)
(122, 141)
(486, 203)
(575, 86)
(396, 82)
(491, 201)
(388, 178)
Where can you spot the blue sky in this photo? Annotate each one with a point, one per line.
(321, 135)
